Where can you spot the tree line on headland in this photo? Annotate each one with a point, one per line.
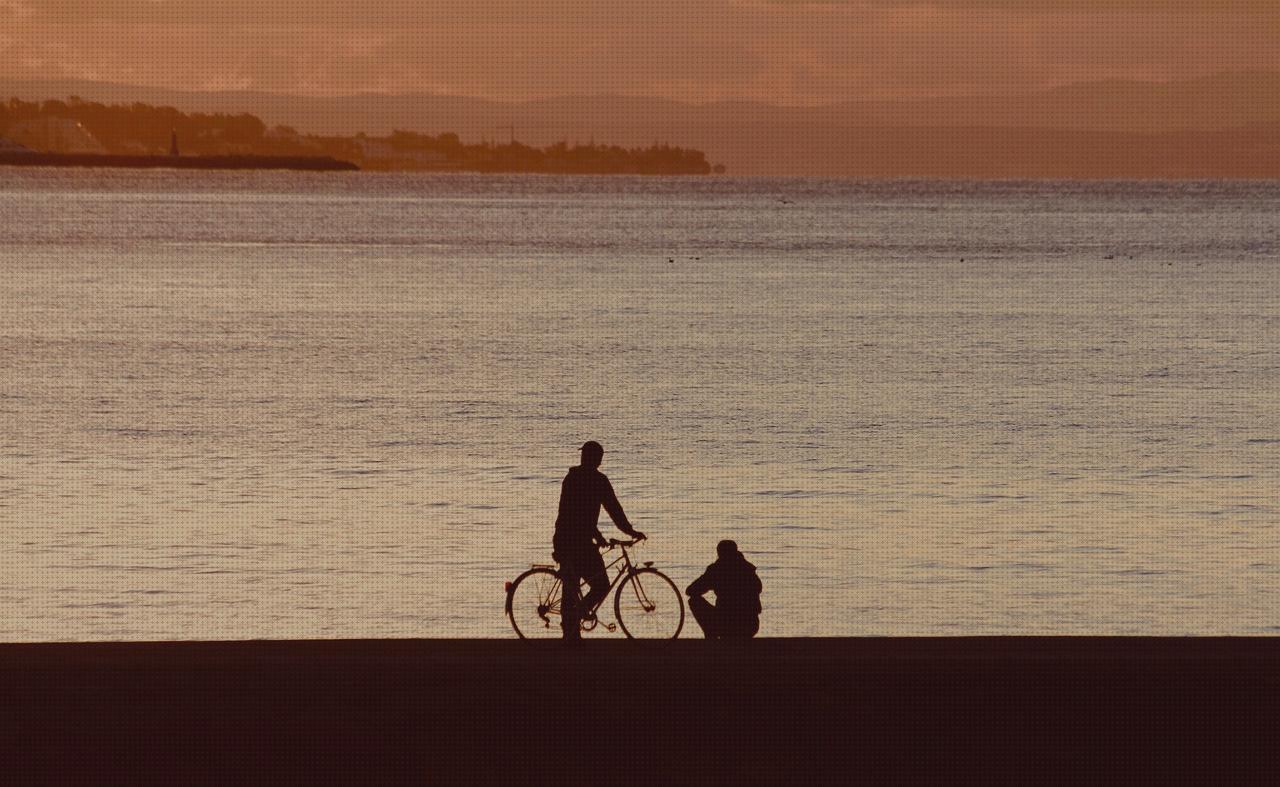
(76, 126)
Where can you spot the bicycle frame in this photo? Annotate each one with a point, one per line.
(626, 569)
(621, 569)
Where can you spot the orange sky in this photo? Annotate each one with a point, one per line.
(783, 51)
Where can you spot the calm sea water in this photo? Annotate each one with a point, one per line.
(290, 405)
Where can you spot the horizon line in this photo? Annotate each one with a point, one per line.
(197, 91)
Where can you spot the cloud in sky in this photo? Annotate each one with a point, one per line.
(787, 51)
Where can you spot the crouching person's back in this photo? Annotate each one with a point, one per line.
(736, 613)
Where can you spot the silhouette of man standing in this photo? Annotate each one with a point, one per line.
(578, 538)
(736, 613)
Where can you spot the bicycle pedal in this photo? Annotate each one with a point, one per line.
(611, 627)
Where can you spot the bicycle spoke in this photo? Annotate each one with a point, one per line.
(645, 603)
(535, 604)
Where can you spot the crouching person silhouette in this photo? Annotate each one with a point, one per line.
(736, 613)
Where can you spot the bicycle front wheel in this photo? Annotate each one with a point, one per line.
(648, 606)
(533, 604)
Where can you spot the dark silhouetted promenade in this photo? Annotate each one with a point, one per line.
(854, 710)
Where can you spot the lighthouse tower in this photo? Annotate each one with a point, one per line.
(173, 142)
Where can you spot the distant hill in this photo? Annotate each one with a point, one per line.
(1222, 126)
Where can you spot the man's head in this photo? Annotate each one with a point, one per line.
(727, 549)
(592, 454)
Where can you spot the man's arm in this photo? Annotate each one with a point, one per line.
(700, 586)
(616, 513)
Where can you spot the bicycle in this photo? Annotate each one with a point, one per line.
(646, 603)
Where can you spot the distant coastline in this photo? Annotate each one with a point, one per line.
(88, 134)
(312, 163)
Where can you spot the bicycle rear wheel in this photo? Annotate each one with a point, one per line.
(648, 606)
(533, 604)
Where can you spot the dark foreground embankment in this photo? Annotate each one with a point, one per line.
(1016, 710)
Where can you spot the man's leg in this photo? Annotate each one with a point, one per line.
(705, 613)
(569, 605)
(744, 627)
(597, 580)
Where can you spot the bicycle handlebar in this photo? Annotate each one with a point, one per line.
(613, 542)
